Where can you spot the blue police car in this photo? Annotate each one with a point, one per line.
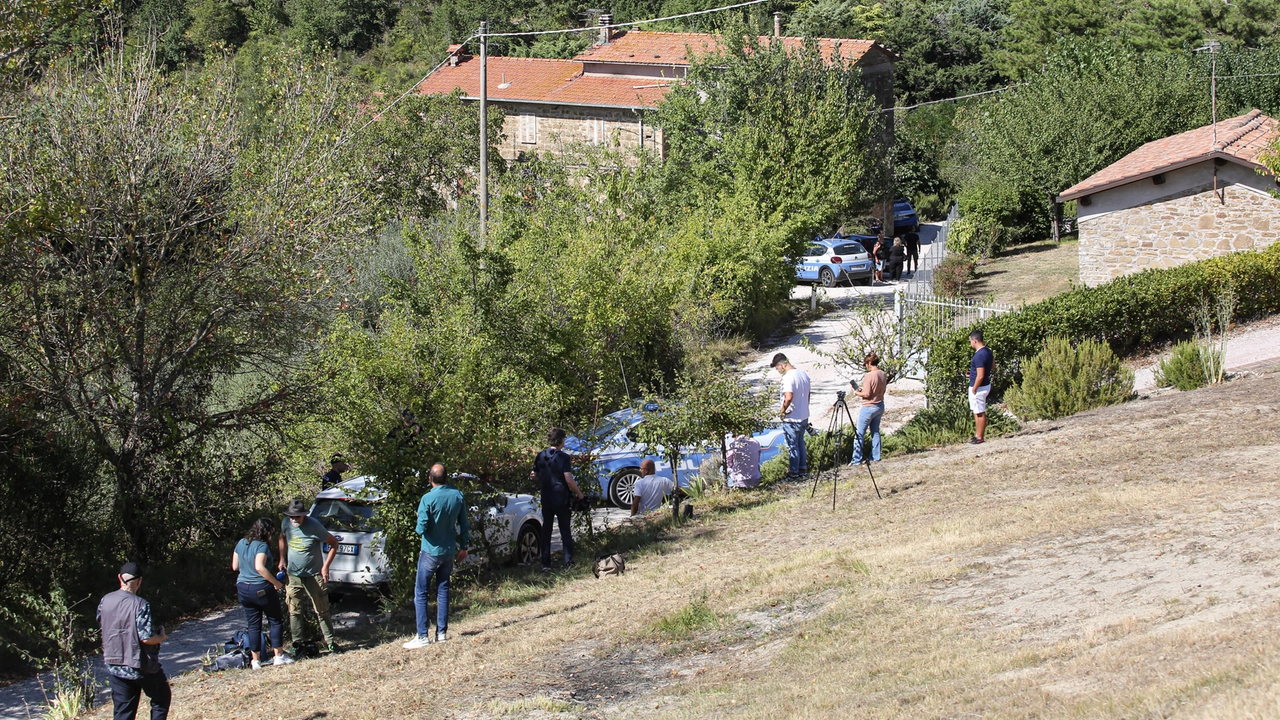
(834, 260)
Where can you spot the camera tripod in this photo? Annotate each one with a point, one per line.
(839, 411)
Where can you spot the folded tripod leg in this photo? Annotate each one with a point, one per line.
(873, 479)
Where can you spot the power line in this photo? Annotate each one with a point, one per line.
(627, 24)
(951, 99)
(413, 87)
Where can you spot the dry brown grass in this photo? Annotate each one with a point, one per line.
(1027, 273)
(1121, 563)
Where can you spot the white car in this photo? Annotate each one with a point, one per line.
(512, 525)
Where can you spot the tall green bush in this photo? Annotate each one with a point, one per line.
(1127, 313)
(1063, 380)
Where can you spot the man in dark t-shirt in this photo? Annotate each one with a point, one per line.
(980, 369)
(912, 242)
(554, 470)
(337, 466)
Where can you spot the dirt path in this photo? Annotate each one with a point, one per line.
(1255, 346)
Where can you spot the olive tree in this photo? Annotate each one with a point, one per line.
(167, 266)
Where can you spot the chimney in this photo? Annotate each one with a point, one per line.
(457, 53)
(606, 33)
(777, 24)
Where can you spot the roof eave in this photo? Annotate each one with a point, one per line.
(1072, 194)
(636, 106)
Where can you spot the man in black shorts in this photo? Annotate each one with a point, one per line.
(912, 242)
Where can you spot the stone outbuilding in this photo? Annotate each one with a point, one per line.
(606, 94)
(1186, 197)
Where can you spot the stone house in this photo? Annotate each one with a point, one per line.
(1186, 197)
(605, 95)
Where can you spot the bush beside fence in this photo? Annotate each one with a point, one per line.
(1128, 313)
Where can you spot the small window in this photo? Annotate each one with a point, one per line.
(598, 136)
(529, 129)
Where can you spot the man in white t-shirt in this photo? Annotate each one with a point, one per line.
(650, 490)
(794, 414)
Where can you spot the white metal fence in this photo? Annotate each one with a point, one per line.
(922, 279)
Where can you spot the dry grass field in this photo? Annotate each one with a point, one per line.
(1121, 563)
(1028, 273)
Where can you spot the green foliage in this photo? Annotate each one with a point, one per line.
(1184, 368)
(683, 623)
(976, 236)
(920, 140)
(953, 273)
(950, 423)
(339, 24)
(1062, 380)
(1127, 313)
(948, 47)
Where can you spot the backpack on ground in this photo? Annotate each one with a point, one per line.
(613, 564)
(236, 659)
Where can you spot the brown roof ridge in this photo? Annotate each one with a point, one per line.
(1244, 125)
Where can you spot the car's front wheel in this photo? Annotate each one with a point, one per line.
(527, 544)
(623, 485)
(827, 277)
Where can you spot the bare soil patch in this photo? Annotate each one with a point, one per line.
(1120, 563)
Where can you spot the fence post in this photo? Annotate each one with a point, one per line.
(899, 312)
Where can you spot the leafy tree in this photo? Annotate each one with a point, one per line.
(338, 24)
(166, 271)
(948, 48)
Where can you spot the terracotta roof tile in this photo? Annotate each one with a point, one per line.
(545, 81)
(1242, 138)
(639, 47)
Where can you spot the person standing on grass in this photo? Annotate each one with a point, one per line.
(131, 649)
(446, 532)
(874, 383)
(794, 414)
(302, 538)
(650, 490)
(897, 255)
(258, 590)
(912, 243)
(980, 369)
(554, 470)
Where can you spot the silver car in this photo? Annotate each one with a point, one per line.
(512, 525)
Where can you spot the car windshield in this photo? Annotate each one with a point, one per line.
(852, 248)
(815, 251)
(344, 515)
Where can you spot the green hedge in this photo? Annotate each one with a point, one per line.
(1128, 313)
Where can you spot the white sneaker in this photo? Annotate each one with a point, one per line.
(255, 664)
(419, 641)
(282, 659)
(441, 637)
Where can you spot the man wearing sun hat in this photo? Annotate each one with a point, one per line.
(131, 648)
(302, 540)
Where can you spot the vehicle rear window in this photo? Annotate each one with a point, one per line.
(906, 206)
(815, 251)
(850, 249)
(344, 515)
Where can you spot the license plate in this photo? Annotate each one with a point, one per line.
(348, 549)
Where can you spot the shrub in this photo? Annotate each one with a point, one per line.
(1184, 368)
(976, 236)
(1062, 380)
(951, 275)
(947, 424)
(1127, 313)
(930, 206)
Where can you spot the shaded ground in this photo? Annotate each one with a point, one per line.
(1028, 273)
(1114, 564)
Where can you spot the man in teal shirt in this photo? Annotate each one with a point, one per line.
(445, 530)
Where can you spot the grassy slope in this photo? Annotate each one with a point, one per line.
(1028, 273)
(1121, 563)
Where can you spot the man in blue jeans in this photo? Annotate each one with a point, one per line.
(794, 414)
(872, 394)
(445, 530)
(553, 469)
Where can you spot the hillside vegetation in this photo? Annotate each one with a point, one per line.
(1113, 564)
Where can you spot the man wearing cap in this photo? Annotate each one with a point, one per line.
(794, 414)
(301, 553)
(131, 648)
(337, 466)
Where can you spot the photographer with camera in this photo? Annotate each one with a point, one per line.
(872, 390)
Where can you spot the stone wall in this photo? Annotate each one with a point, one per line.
(551, 128)
(1190, 225)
